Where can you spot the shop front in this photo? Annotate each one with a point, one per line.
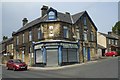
(55, 53)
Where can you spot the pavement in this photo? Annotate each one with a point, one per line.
(102, 68)
(66, 66)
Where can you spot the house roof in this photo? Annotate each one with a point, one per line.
(71, 19)
(108, 36)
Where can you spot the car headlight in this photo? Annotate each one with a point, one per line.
(17, 65)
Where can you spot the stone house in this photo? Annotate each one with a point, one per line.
(56, 39)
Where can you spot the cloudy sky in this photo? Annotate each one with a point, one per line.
(104, 14)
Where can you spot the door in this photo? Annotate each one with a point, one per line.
(52, 57)
(39, 56)
(103, 52)
(72, 55)
(88, 54)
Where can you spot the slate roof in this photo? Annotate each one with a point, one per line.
(108, 36)
(72, 19)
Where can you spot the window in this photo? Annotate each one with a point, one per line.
(92, 36)
(51, 31)
(30, 35)
(85, 23)
(78, 32)
(51, 15)
(115, 42)
(17, 41)
(109, 41)
(23, 38)
(112, 41)
(85, 35)
(30, 49)
(65, 31)
(39, 33)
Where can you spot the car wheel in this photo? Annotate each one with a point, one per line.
(26, 68)
(113, 55)
(14, 69)
(8, 68)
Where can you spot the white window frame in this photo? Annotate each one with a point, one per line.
(23, 38)
(30, 35)
(17, 40)
(67, 33)
(51, 15)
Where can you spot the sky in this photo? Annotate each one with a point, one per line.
(103, 14)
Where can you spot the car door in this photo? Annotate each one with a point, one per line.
(11, 64)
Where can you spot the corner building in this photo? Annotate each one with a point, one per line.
(56, 39)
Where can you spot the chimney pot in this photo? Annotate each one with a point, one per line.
(24, 21)
(44, 10)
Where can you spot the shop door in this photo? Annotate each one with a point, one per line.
(39, 56)
(52, 57)
(72, 55)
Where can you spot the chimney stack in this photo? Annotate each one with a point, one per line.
(24, 21)
(109, 33)
(44, 10)
(67, 13)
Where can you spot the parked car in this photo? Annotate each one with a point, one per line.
(16, 64)
(111, 53)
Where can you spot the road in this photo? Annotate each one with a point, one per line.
(105, 68)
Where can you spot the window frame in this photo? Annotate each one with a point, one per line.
(30, 35)
(65, 32)
(51, 15)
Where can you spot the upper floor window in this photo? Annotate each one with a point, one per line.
(85, 35)
(66, 32)
(17, 40)
(77, 32)
(23, 38)
(30, 35)
(92, 36)
(84, 21)
(116, 42)
(112, 41)
(39, 33)
(51, 31)
(51, 15)
(109, 41)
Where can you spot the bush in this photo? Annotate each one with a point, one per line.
(118, 52)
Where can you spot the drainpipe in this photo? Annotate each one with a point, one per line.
(60, 55)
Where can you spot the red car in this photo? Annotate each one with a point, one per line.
(112, 53)
(16, 64)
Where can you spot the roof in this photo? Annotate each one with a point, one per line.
(108, 36)
(7, 40)
(71, 19)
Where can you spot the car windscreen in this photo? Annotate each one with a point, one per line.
(17, 61)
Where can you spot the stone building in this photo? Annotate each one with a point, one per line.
(56, 38)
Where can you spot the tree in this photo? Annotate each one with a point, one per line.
(5, 37)
(116, 28)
